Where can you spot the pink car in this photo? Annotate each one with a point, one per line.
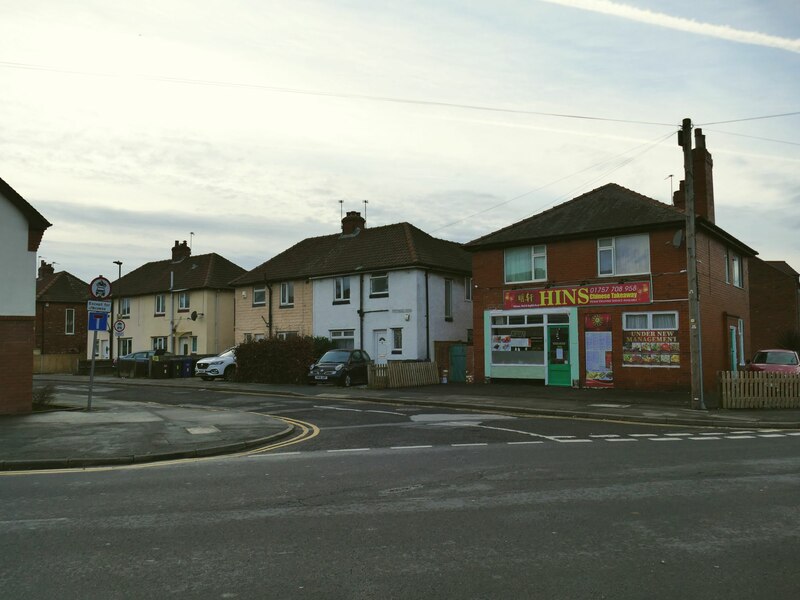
(775, 361)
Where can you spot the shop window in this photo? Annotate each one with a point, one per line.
(528, 263)
(287, 294)
(259, 295)
(623, 255)
(515, 341)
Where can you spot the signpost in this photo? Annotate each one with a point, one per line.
(99, 309)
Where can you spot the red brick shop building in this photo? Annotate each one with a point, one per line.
(594, 292)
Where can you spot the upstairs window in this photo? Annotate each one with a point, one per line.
(125, 309)
(468, 289)
(161, 304)
(737, 274)
(379, 285)
(259, 295)
(183, 301)
(624, 255)
(341, 290)
(69, 321)
(448, 299)
(287, 293)
(526, 264)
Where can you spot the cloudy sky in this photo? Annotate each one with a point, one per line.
(130, 125)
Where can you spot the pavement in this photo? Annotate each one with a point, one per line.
(125, 432)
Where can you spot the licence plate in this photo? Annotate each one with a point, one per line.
(320, 376)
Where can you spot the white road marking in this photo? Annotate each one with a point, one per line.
(768, 430)
(703, 439)
(573, 441)
(621, 440)
(607, 435)
(771, 435)
(525, 442)
(408, 447)
(793, 433)
(665, 439)
(465, 445)
(350, 450)
(678, 434)
(644, 435)
(386, 412)
(338, 408)
(611, 405)
(739, 437)
(715, 433)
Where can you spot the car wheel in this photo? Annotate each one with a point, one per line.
(229, 372)
(346, 381)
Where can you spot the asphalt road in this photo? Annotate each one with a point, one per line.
(404, 502)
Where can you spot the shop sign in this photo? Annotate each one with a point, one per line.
(653, 348)
(635, 292)
(599, 370)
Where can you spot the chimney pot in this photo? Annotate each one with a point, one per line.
(352, 223)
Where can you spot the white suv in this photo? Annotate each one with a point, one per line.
(223, 366)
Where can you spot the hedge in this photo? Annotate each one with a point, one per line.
(279, 361)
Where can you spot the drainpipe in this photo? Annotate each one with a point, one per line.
(427, 320)
(361, 311)
(171, 313)
(269, 325)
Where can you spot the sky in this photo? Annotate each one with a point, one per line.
(240, 125)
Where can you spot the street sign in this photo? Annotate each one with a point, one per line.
(119, 326)
(98, 321)
(100, 288)
(99, 306)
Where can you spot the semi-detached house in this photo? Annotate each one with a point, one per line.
(394, 291)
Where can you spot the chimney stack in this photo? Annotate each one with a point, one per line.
(180, 251)
(702, 166)
(45, 270)
(352, 223)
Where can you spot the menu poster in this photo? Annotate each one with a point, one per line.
(654, 348)
(599, 370)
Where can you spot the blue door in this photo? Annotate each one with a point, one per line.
(458, 363)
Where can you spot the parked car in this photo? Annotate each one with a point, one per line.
(223, 366)
(342, 367)
(775, 361)
(140, 356)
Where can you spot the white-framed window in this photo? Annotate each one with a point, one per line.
(257, 337)
(125, 309)
(528, 263)
(518, 339)
(285, 335)
(259, 295)
(623, 255)
(468, 289)
(448, 299)
(124, 346)
(161, 304)
(379, 285)
(194, 344)
(647, 321)
(341, 290)
(183, 301)
(287, 293)
(727, 266)
(737, 272)
(343, 338)
(741, 341)
(397, 340)
(159, 342)
(69, 321)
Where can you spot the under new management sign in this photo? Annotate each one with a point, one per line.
(635, 292)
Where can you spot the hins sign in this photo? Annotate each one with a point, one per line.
(636, 292)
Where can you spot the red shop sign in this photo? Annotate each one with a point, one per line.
(635, 292)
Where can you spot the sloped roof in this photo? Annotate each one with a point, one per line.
(35, 219)
(783, 266)
(371, 249)
(61, 287)
(195, 272)
(607, 208)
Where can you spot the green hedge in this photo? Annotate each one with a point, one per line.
(279, 361)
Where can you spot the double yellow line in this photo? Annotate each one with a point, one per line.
(303, 431)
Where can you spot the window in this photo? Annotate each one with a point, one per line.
(343, 338)
(448, 299)
(259, 295)
(248, 337)
(624, 255)
(287, 293)
(125, 309)
(341, 290)
(194, 344)
(526, 264)
(518, 339)
(285, 335)
(741, 341)
(737, 275)
(124, 346)
(183, 301)
(159, 342)
(69, 321)
(397, 340)
(727, 266)
(161, 304)
(379, 285)
(649, 321)
(257, 337)
(468, 289)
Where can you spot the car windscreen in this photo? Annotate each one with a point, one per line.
(335, 356)
(775, 358)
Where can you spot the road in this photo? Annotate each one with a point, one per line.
(412, 502)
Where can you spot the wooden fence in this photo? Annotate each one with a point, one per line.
(403, 374)
(55, 363)
(759, 390)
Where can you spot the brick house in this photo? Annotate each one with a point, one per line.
(594, 292)
(774, 305)
(393, 291)
(183, 305)
(21, 231)
(61, 320)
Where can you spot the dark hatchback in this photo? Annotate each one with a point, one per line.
(342, 367)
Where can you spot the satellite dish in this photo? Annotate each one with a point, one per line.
(193, 316)
(677, 239)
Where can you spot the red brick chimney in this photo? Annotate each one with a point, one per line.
(352, 223)
(702, 166)
(45, 270)
(180, 251)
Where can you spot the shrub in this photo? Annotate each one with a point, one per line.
(279, 361)
(43, 397)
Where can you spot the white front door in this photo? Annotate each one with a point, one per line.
(380, 345)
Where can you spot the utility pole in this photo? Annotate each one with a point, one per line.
(685, 140)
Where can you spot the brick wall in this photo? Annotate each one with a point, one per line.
(774, 305)
(50, 327)
(16, 392)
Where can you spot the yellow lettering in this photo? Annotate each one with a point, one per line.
(583, 296)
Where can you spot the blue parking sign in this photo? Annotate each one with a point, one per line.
(98, 321)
